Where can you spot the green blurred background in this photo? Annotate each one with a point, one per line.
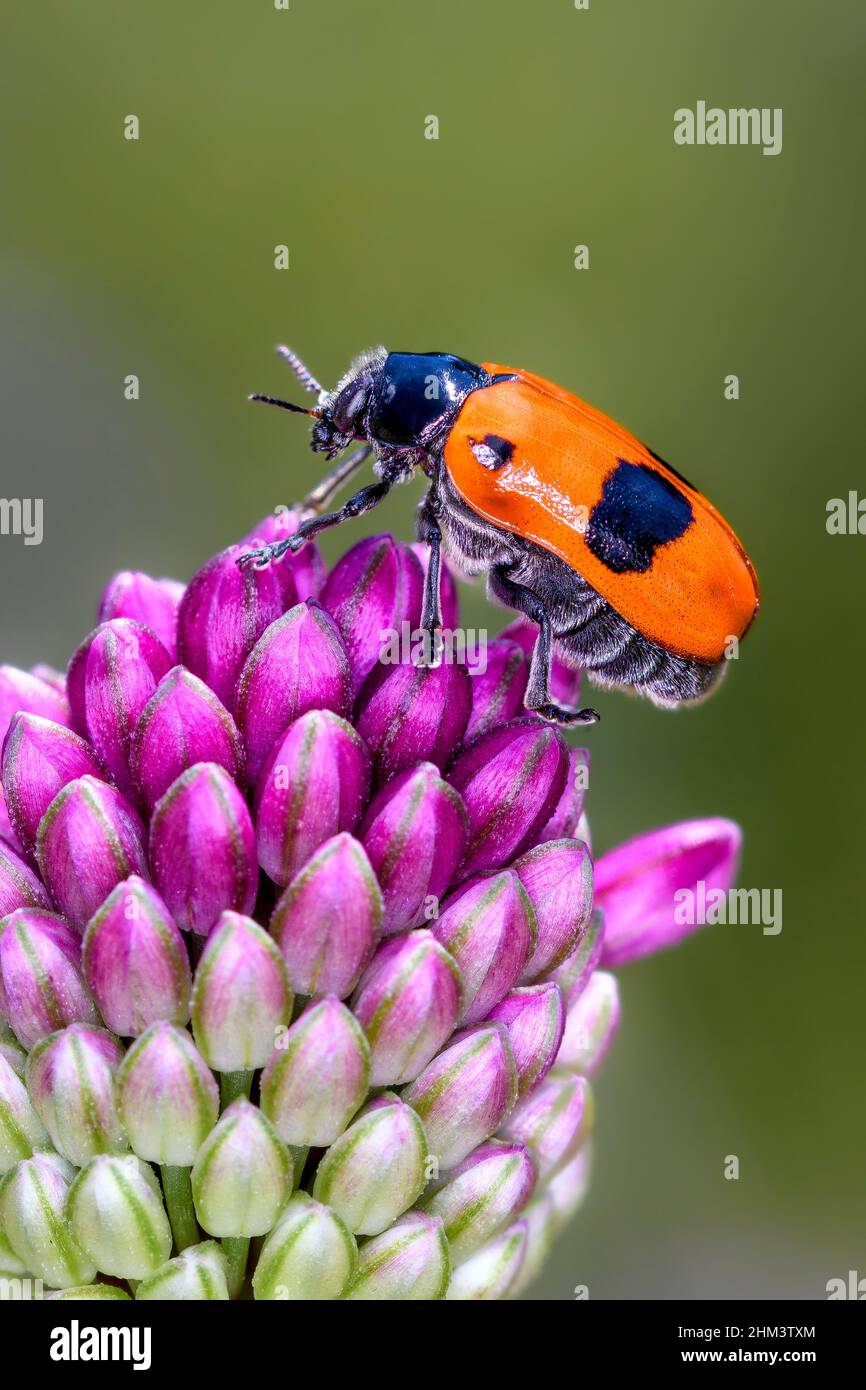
(306, 127)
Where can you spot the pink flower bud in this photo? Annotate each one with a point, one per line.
(317, 1076)
(498, 691)
(488, 926)
(510, 780)
(481, 1195)
(19, 885)
(314, 784)
(203, 849)
(39, 758)
(70, 1079)
(182, 723)
(465, 1093)
(167, 1097)
(415, 834)
(298, 664)
(224, 612)
(408, 714)
(574, 973)
(407, 1003)
(41, 985)
(371, 591)
(329, 918)
(590, 1027)
(553, 1121)
(153, 602)
(558, 878)
(135, 960)
(641, 885)
(111, 677)
(31, 694)
(89, 839)
(567, 822)
(241, 997)
(535, 1019)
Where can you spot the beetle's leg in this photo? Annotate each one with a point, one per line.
(537, 696)
(330, 485)
(362, 501)
(431, 614)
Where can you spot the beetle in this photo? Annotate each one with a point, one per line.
(623, 564)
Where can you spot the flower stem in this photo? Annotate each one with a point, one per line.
(178, 1200)
(236, 1250)
(234, 1084)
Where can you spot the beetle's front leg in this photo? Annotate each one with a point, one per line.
(429, 530)
(537, 697)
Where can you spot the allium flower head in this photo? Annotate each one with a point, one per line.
(301, 947)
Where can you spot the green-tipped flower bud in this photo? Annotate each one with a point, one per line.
(553, 1121)
(70, 1078)
(377, 1169)
(492, 1272)
(318, 1075)
(308, 1256)
(116, 1214)
(409, 1262)
(466, 1092)
(91, 1293)
(242, 1174)
(11, 1267)
(33, 1213)
(21, 1130)
(198, 1275)
(167, 1098)
(482, 1195)
(241, 995)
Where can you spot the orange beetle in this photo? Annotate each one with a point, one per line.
(623, 564)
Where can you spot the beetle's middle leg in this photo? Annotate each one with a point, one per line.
(537, 696)
(429, 531)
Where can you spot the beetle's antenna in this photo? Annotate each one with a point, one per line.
(303, 373)
(284, 405)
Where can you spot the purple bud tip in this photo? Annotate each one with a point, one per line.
(30, 693)
(135, 960)
(153, 602)
(203, 848)
(650, 889)
(568, 821)
(553, 1122)
(591, 1026)
(415, 834)
(372, 591)
(298, 664)
(42, 988)
(305, 572)
(224, 612)
(497, 692)
(39, 758)
(408, 714)
(510, 780)
(408, 1004)
(89, 839)
(182, 723)
(313, 786)
(329, 918)
(111, 678)
(488, 926)
(535, 1019)
(558, 878)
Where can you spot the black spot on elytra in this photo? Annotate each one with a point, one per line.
(639, 510)
(493, 451)
(669, 466)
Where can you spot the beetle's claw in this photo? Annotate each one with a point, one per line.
(555, 714)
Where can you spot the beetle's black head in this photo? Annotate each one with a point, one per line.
(344, 411)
